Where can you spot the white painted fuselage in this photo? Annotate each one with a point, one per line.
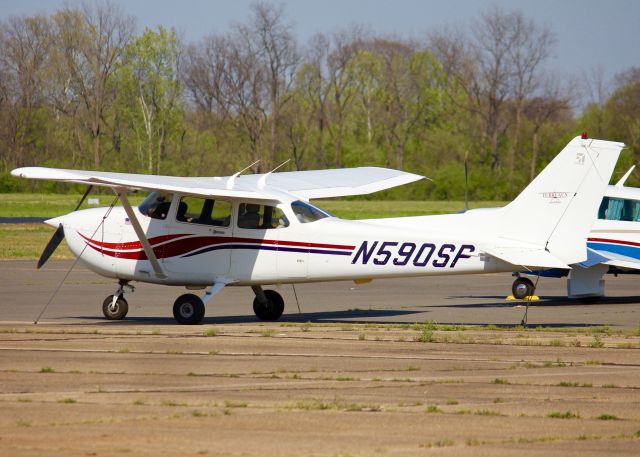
(324, 250)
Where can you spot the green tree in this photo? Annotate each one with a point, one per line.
(150, 79)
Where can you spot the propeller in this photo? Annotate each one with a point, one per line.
(58, 235)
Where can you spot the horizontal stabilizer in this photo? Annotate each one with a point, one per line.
(610, 258)
(527, 257)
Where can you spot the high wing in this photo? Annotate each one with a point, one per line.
(301, 184)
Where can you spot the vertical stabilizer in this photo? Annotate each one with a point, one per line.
(557, 209)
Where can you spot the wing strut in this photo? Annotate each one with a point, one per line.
(141, 235)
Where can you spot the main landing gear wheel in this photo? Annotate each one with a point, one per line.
(522, 287)
(272, 309)
(188, 309)
(115, 311)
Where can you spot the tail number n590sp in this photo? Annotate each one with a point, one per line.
(407, 253)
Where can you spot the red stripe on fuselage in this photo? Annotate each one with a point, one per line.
(184, 245)
(133, 244)
(605, 240)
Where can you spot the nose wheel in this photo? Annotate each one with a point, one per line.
(114, 310)
(115, 307)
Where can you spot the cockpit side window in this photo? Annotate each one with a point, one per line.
(196, 210)
(261, 217)
(156, 205)
(306, 212)
(618, 209)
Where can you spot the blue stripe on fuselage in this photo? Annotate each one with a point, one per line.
(622, 249)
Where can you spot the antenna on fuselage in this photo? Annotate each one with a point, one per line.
(232, 179)
(263, 181)
(624, 178)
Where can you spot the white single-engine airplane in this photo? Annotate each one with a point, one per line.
(256, 230)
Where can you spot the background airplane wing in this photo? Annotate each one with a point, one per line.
(303, 184)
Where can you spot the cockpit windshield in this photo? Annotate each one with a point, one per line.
(306, 212)
(156, 205)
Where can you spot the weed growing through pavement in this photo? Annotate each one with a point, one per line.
(596, 342)
(563, 415)
(47, 370)
(211, 332)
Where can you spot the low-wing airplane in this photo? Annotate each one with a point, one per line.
(256, 230)
(613, 247)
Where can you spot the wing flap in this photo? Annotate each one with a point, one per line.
(526, 257)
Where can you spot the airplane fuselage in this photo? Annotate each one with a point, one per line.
(323, 250)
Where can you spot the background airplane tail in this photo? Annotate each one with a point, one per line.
(557, 209)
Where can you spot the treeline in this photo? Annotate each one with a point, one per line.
(83, 89)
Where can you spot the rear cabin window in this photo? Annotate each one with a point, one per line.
(262, 217)
(307, 213)
(619, 209)
(203, 211)
(156, 205)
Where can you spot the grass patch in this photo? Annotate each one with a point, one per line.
(440, 443)
(607, 417)
(486, 412)
(426, 332)
(596, 342)
(211, 332)
(500, 381)
(68, 400)
(432, 409)
(563, 415)
(47, 370)
(235, 404)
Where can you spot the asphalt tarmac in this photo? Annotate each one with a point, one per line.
(474, 299)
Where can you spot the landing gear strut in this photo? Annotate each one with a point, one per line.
(268, 304)
(115, 307)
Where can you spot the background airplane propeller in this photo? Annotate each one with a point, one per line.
(58, 236)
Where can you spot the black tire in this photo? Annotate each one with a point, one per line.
(116, 312)
(272, 310)
(522, 287)
(188, 309)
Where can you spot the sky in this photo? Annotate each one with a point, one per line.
(590, 34)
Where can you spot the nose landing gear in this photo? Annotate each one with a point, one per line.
(115, 307)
